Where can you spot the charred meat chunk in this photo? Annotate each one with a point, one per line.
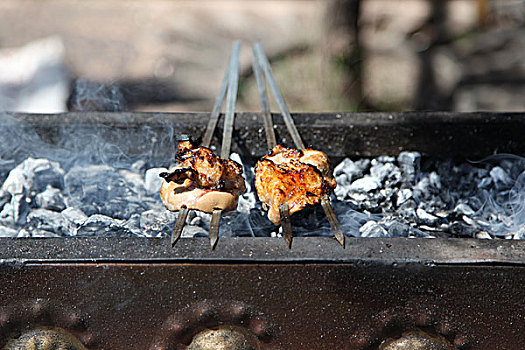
(298, 178)
(201, 181)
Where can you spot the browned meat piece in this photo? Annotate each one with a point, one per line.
(202, 181)
(296, 177)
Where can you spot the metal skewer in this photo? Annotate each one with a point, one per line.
(284, 212)
(265, 103)
(179, 225)
(231, 99)
(290, 125)
(334, 223)
(216, 111)
(227, 82)
(214, 227)
(261, 59)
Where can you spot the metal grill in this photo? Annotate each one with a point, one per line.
(126, 293)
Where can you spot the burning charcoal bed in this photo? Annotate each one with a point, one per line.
(89, 184)
(96, 188)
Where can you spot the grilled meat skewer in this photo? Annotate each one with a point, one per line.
(298, 178)
(202, 181)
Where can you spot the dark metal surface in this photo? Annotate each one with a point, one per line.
(301, 306)
(338, 135)
(264, 250)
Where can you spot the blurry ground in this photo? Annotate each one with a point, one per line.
(170, 55)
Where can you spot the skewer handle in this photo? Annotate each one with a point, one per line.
(231, 99)
(179, 225)
(290, 125)
(214, 227)
(271, 141)
(286, 224)
(214, 117)
(334, 223)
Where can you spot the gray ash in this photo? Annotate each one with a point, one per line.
(404, 196)
(436, 196)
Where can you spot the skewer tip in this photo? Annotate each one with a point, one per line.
(286, 224)
(214, 228)
(179, 226)
(334, 223)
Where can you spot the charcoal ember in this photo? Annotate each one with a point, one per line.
(190, 231)
(386, 159)
(483, 235)
(134, 181)
(16, 185)
(157, 222)
(402, 196)
(388, 196)
(519, 233)
(139, 167)
(51, 199)
(423, 190)
(153, 181)
(246, 201)
(398, 229)
(434, 181)
(23, 233)
(123, 208)
(394, 179)
(461, 229)
(365, 184)
(408, 209)
(409, 162)
(105, 226)
(463, 208)
(196, 221)
(15, 212)
(380, 170)
(74, 218)
(36, 233)
(5, 197)
(425, 218)
(373, 229)
(99, 189)
(192, 214)
(47, 220)
(358, 198)
(308, 218)
(351, 169)
(343, 186)
(34, 175)
(205, 217)
(134, 224)
(7, 232)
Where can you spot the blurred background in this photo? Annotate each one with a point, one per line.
(334, 55)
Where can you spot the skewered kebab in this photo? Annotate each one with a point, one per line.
(299, 178)
(288, 180)
(202, 180)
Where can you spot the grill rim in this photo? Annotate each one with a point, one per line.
(235, 250)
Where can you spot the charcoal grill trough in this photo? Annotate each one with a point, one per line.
(118, 292)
